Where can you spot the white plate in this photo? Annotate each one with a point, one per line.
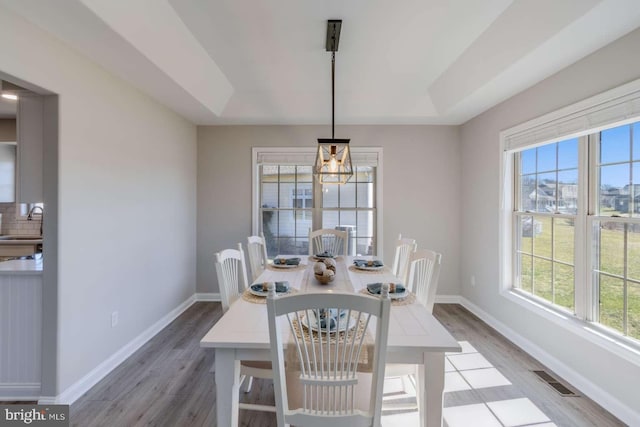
(266, 293)
(394, 295)
(285, 265)
(366, 267)
(342, 324)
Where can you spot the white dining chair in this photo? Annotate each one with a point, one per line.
(328, 239)
(404, 248)
(322, 369)
(232, 281)
(232, 275)
(424, 272)
(257, 251)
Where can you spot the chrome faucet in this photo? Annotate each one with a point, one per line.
(30, 216)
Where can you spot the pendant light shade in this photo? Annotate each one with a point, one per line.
(333, 161)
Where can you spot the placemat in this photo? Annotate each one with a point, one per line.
(311, 337)
(409, 299)
(249, 297)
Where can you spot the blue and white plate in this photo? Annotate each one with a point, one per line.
(344, 323)
(257, 289)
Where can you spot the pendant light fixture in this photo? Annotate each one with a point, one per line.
(333, 161)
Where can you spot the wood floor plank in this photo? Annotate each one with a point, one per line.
(168, 381)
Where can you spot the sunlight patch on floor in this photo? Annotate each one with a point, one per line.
(466, 371)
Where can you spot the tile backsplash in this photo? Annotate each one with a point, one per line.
(11, 224)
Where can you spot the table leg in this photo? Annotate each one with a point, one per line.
(227, 387)
(431, 389)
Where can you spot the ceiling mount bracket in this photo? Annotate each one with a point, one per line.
(333, 34)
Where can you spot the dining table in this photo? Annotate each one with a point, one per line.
(415, 335)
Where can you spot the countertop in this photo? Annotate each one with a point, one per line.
(21, 266)
(20, 240)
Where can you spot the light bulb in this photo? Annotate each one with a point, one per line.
(333, 164)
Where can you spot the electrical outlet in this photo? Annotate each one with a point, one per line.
(472, 280)
(114, 319)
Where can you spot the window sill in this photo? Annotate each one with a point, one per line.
(616, 344)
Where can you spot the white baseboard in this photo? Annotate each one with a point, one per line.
(72, 393)
(448, 299)
(19, 391)
(588, 388)
(208, 296)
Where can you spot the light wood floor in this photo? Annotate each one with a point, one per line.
(167, 382)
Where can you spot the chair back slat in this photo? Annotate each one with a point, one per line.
(328, 239)
(328, 361)
(232, 275)
(404, 248)
(257, 251)
(424, 272)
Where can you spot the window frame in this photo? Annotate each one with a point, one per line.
(584, 120)
(367, 156)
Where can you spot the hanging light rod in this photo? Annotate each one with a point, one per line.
(333, 161)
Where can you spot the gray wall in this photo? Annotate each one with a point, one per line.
(609, 67)
(126, 203)
(421, 187)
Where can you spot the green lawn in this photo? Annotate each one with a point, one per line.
(611, 261)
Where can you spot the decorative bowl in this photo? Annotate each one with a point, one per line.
(324, 279)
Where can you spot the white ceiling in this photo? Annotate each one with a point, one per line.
(400, 62)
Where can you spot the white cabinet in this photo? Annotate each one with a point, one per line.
(20, 334)
(30, 135)
(7, 172)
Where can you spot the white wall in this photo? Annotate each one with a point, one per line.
(614, 378)
(421, 187)
(127, 200)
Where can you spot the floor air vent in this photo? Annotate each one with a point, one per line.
(546, 377)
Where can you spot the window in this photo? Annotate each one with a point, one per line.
(616, 229)
(352, 207)
(550, 221)
(285, 211)
(570, 216)
(545, 214)
(25, 208)
(288, 201)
